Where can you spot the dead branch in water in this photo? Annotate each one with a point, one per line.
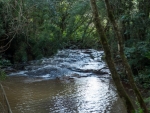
(5, 97)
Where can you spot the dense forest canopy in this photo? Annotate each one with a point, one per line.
(35, 29)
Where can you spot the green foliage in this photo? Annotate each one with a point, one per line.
(39, 28)
(147, 101)
(147, 55)
(1, 22)
(4, 62)
(138, 55)
(2, 75)
(139, 110)
(143, 78)
(134, 24)
(20, 54)
(44, 47)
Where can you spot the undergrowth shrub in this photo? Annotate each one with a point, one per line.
(138, 57)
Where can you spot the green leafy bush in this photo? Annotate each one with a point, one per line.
(2, 75)
(138, 55)
(143, 78)
(4, 62)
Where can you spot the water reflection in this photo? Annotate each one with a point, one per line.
(81, 95)
(95, 96)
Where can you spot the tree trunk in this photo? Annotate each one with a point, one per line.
(109, 60)
(124, 59)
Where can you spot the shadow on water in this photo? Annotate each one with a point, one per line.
(70, 82)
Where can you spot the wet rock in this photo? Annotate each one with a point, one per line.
(100, 72)
(65, 79)
(72, 63)
(9, 70)
(75, 75)
(20, 66)
(87, 51)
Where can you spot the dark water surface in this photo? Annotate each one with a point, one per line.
(73, 81)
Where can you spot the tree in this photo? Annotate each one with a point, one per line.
(109, 59)
(124, 59)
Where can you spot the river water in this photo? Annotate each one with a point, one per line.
(72, 81)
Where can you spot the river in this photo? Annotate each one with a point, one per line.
(72, 81)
